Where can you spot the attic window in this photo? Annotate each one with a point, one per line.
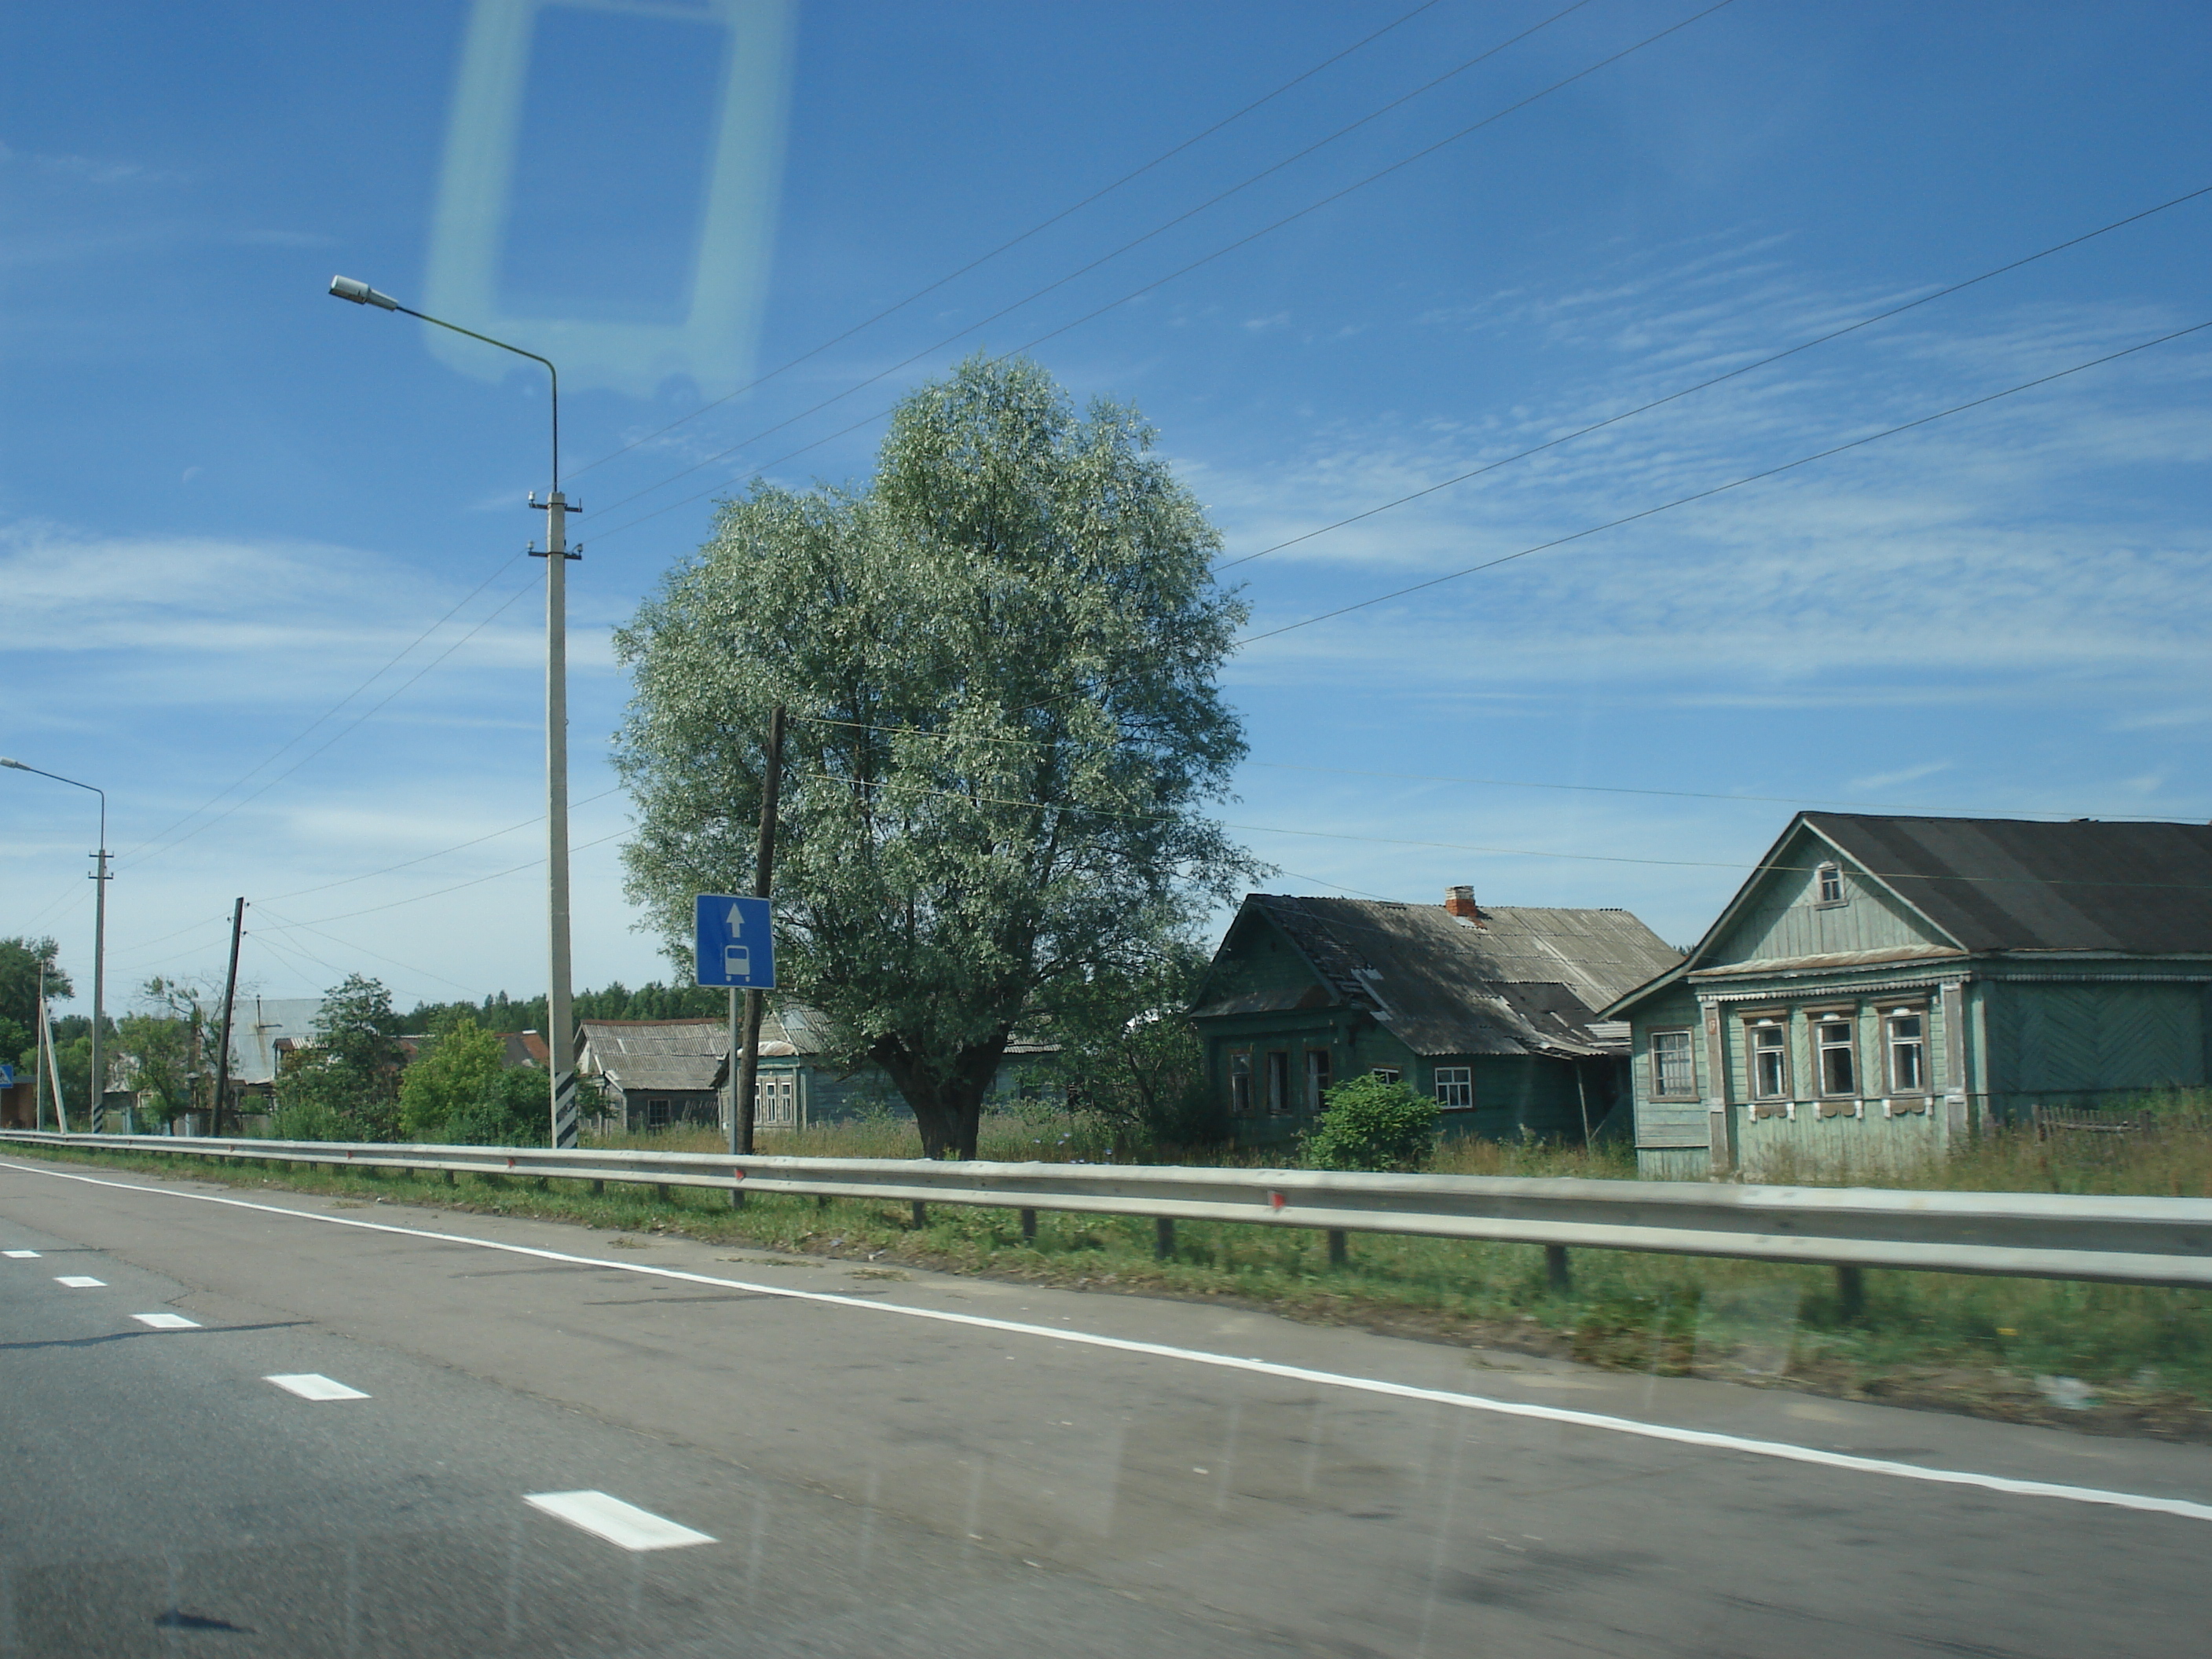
(1832, 884)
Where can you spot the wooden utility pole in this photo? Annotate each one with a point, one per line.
(230, 997)
(741, 1097)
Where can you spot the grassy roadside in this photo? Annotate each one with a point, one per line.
(2106, 1358)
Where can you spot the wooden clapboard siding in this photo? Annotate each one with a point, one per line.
(1784, 918)
(2057, 1037)
(1838, 1147)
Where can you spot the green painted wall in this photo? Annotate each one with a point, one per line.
(1667, 1130)
(2048, 1039)
(1785, 918)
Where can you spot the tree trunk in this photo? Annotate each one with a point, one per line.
(948, 1105)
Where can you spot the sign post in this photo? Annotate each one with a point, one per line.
(735, 942)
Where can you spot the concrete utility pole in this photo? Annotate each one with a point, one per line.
(98, 1111)
(561, 1034)
(230, 1006)
(748, 1071)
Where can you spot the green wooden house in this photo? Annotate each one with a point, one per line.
(1489, 1010)
(1882, 987)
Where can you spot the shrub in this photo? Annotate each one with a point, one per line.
(1370, 1124)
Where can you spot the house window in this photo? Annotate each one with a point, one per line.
(1770, 1059)
(775, 1102)
(1278, 1082)
(1905, 1033)
(1388, 1074)
(656, 1115)
(1317, 1078)
(1240, 1086)
(1832, 884)
(1456, 1088)
(1672, 1072)
(1831, 1039)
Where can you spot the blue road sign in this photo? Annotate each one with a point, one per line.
(737, 945)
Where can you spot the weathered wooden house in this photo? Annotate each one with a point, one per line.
(658, 1073)
(654, 1073)
(1491, 1010)
(1881, 988)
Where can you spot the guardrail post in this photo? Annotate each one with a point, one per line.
(1851, 1290)
(598, 1190)
(921, 1214)
(1028, 1226)
(1163, 1237)
(1557, 1273)
(450, 1179)
(1340, 1250)
(660, 1194)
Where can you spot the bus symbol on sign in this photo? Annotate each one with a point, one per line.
(736, 947)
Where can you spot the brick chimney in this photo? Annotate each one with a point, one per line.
(1459, 905)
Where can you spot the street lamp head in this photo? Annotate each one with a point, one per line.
(345, 287)
(17, 764)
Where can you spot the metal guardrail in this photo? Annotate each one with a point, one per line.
(2117, 1240)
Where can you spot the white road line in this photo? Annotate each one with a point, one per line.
(1782, 1451)
(167, 1321)
(79, 1282)
(312, 1385)
(21, 1255)
(617, 1522)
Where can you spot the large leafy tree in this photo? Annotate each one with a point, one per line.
(1000, 658)
(21, 960)
(347, 1085)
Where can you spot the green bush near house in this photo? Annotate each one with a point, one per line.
(1370, 1124)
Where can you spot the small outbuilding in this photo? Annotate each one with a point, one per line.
(656, 1074)
(1491, 1010)
(1883, 988)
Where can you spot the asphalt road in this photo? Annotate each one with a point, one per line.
(857, 1465)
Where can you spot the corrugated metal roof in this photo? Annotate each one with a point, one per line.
(654, 1054)
(1526, 980)
(2015, 884)
(260, 1023)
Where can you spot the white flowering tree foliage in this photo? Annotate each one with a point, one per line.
(1000, 659)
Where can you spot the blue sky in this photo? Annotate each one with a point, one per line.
(229, 504)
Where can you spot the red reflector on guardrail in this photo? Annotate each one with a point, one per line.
(1276, 1201)
(737, 1175)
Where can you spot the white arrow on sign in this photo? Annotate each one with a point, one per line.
(737, 922)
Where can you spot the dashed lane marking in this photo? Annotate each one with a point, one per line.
(312, 1385)
(21, 1255)
(1781, 1450)
(619, 1522)
(79, 1282)
(167, 1321)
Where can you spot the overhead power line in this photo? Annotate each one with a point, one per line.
(1492, 783)
(1733, 373)
(1135, 293)
(1723, 488)
(977, 798)
(1042, 225)
(305, 732)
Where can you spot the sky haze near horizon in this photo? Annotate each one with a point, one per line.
(229, 502)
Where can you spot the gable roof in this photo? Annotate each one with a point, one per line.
(1525, 981)
(259, 1024)
(655, 1053)
(2004, 885)
(2016, 884)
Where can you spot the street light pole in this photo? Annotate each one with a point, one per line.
(97, 1111)
(561, 1038)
